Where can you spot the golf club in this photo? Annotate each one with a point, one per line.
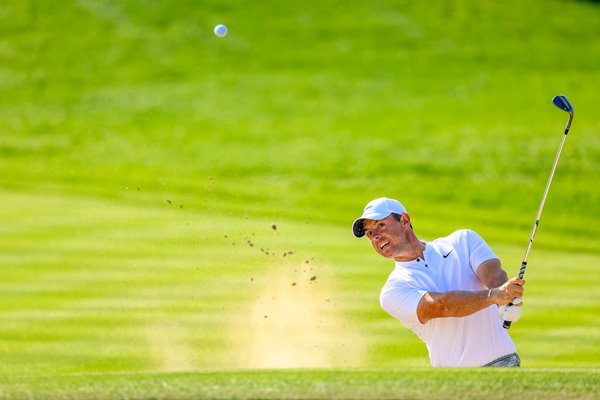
(561, 102)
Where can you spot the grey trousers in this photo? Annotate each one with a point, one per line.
(511, 360)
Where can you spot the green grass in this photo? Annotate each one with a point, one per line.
(144, 164)
(318, 384)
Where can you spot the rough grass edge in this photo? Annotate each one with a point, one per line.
(312, 384)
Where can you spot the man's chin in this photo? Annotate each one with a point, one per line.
(386, 254)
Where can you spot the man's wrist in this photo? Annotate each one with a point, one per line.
(490, 295)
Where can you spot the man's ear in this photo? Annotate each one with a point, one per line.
(405, 220)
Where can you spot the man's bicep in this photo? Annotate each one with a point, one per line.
(491, 274)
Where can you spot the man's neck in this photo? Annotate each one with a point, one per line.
(414, 251)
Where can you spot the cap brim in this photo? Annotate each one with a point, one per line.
(358, 225)
(357, 228)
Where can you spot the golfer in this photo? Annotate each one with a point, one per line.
(451, 292)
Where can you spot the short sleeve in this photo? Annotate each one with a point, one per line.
(479, 251)
(401, 302)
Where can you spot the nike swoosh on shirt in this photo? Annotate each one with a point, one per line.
(446, 255)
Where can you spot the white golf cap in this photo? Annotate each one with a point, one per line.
(377, 209)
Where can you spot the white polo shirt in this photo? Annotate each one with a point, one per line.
(450, 264)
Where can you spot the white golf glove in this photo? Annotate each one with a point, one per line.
(511, 312)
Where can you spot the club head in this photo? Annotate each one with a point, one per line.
(561, 102)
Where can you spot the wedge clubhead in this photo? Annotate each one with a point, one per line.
(561, 102)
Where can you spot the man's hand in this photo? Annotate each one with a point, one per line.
(508, 291)
(511, 312)
(509, 298)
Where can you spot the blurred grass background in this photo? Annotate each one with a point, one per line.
(168, 196)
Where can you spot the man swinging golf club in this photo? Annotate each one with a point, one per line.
(449, 291)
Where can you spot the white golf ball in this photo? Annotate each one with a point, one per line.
(220, 30)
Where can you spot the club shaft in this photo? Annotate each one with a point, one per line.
(543, 202)
(507, 324)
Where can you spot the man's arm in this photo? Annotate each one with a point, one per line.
(491, 274)
(460, 303)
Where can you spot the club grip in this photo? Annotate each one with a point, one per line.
(506, 324)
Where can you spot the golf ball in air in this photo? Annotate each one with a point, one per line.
(220, 30)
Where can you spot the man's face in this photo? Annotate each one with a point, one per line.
(386, 235)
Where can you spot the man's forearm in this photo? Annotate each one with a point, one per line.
(459, 303)
(456, 303)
